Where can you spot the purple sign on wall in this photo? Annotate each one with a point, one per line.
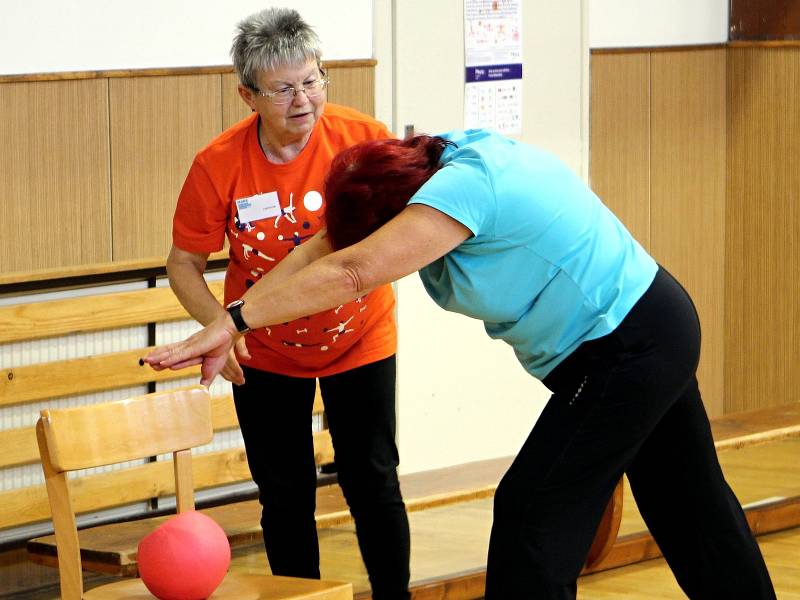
(494, 73)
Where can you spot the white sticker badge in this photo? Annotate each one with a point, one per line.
(260, 206)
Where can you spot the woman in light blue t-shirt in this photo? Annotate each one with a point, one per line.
(506, 233)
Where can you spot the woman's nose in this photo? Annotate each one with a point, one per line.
(300, 97)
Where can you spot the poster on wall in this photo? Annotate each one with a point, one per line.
(493, 61)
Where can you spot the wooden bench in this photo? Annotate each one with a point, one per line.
(20, 385)
(42, 381)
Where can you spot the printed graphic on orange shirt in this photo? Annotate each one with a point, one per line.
(329, 334)
(289, 231)
(287, 212)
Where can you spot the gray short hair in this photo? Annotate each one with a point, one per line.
(270, 39)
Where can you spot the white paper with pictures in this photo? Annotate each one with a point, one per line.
(493, 65)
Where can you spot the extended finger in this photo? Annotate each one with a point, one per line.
(186, 363)
(159, 355)
(178, 353)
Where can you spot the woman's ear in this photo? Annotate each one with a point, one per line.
(248, 96)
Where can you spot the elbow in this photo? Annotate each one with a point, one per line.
(355, 279)
(174, 268)
(182, 265)
(353, 272)
(171, 269)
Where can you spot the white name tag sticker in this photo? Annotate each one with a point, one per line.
(260, 206)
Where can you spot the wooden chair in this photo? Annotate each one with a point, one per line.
(150, 425)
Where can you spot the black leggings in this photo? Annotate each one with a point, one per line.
(275, 417)
(624, 403)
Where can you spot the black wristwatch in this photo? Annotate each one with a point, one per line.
(235, 310)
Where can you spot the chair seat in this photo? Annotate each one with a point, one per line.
(238, 586)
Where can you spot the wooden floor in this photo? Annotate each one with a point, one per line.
(454, 538)
(652, 580)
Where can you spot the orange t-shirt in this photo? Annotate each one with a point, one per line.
(232, 167)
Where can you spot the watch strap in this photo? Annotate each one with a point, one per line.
(235, 310)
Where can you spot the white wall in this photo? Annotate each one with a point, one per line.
(645, 23)
(462, 396)
(75, 35)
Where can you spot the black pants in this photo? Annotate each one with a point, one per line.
(275, 417)
(625, 403)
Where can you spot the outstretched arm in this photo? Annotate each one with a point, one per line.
(414, 238)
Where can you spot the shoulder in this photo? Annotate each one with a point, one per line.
(230, 142)
(351, 125)
(346, 114)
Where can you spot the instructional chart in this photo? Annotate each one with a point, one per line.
(493, 56)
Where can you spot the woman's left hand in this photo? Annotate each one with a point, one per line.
(209, 347)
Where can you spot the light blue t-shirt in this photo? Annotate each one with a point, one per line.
(548, 266)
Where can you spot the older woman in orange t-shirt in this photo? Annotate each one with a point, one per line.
(260, 184)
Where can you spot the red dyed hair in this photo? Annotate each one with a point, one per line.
(371, 182)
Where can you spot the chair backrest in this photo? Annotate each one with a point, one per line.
(89, 436)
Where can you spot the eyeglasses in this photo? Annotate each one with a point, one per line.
(312, 89)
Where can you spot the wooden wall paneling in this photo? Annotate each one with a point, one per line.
(157, 126)
(619, 169)
(54, 179)
(233, 107)
(738, 187)
(353, 86)
(763, 222)
(687, 193)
